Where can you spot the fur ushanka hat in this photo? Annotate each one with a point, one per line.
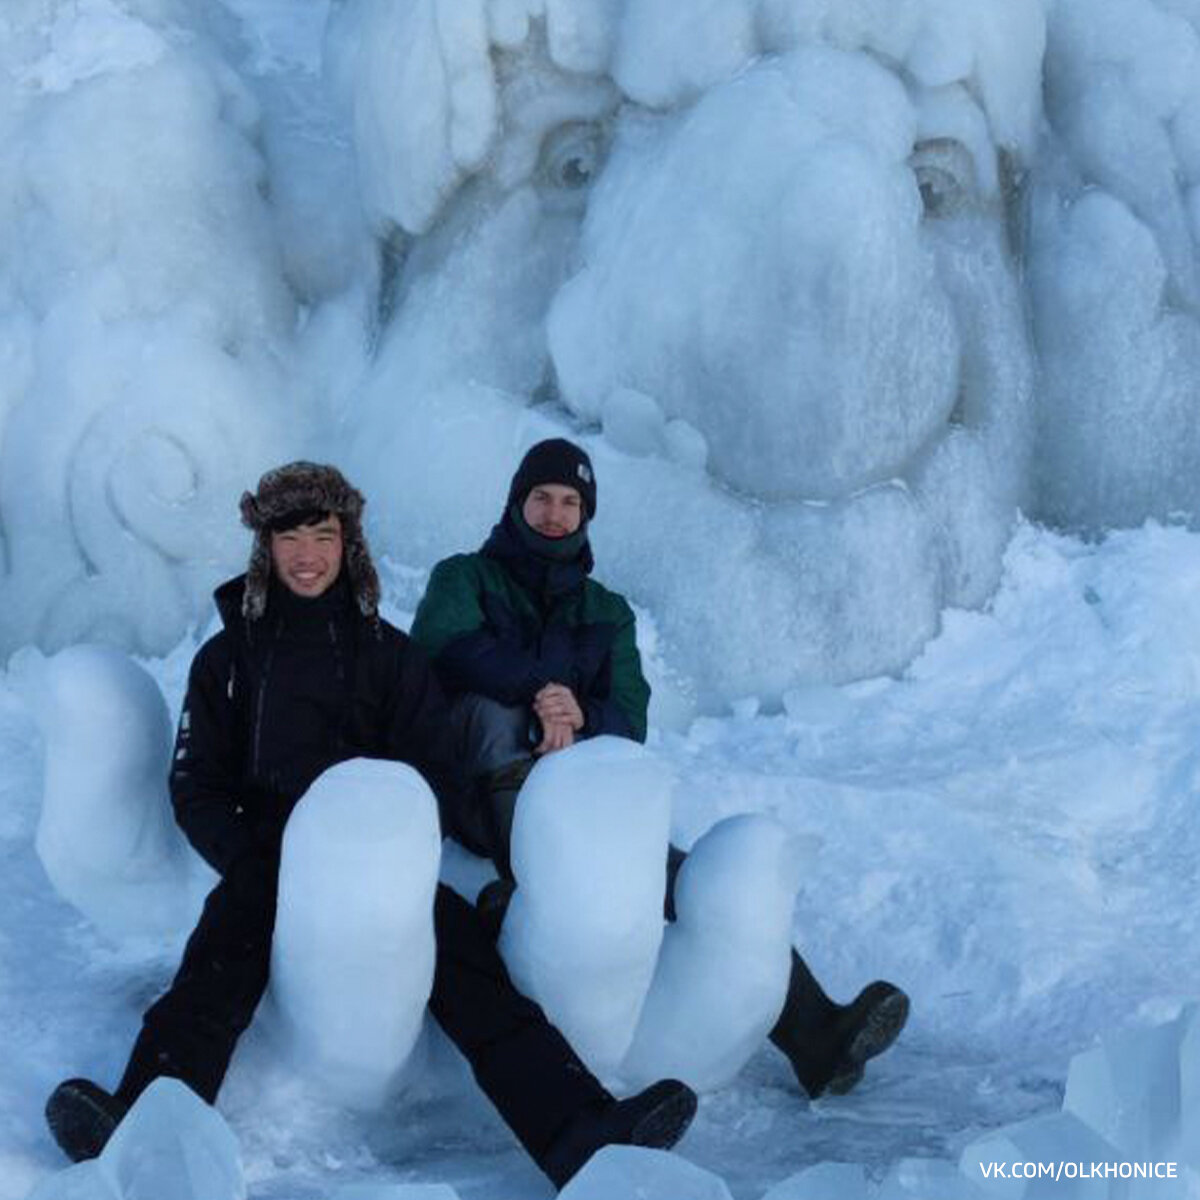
(311, 491)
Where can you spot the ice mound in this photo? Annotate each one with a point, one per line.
(722, 973)
(633, 1173)
(589, 853)
(107, 836)
(353, 954)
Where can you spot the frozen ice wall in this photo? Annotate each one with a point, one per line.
(757, 259)
(1113, 244)
(761, 260)
(142, 311)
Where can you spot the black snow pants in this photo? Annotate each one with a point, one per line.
(522, 1063)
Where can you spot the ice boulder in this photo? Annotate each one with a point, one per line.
(1059, 1137)
(83, 1181)
(825, 1181)
(173, 1144)
(1189, 1089)
(106, 836)
(395, 1191)
(589, 853)
(927, 1179)
(1128, 1089)
(353, 953)
(634, 1173)
(723, 971)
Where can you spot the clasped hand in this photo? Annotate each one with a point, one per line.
(561, 717)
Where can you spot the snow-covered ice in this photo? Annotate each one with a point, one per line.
(1189, 1098)
(985, 819)
(1113, 241)
(173, 1144)
(1060, 1137)
(825, 1181)
(213, 258)
(395, 1191)
(84, 1181)
(1127, 1089)
(584, 932)
(106, 835)
(170, 1144)
(856, 481)
(353, 953)
(141, 301)
(927, 1179)
(589, 853)
(632, 1173)
(722, 973)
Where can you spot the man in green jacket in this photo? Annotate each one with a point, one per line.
(535, 655)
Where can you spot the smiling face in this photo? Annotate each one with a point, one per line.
(308, 558)
(553, 510)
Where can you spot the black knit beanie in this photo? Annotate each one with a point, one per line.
(555, 461)
(302, 493)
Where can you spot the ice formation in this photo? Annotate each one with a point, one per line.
(170, 1144)
(353, 953)
(1113, 239)
(1130, 1106)
(763, 261)
(173, 1144)
(584, 932)
(395, 1191)
(584, 928)
(828, 403)
(1128, 1089)
(631, 1173)
(142, 315)
(927, 1179)
(106, 835)
(722, 973)
(825, 1181)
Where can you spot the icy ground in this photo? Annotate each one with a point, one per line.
(1009, 831)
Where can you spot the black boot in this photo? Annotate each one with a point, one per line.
(82, 1117)
(656, 1118)
(827, 1043)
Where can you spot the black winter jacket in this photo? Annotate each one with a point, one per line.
(273, 703)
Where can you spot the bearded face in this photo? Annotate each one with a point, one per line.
(775, 297)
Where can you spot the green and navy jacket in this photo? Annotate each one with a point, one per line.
(503, 623)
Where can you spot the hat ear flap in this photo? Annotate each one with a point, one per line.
(258, 578)
(364, 578)
(252, 517)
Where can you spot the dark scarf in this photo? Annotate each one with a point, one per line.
(547, 568)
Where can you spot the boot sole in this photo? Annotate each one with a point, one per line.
(881, 1028)
(80, 1122)
(666, 1123)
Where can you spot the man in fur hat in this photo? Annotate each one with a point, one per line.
(536, 654)
(306, 674)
